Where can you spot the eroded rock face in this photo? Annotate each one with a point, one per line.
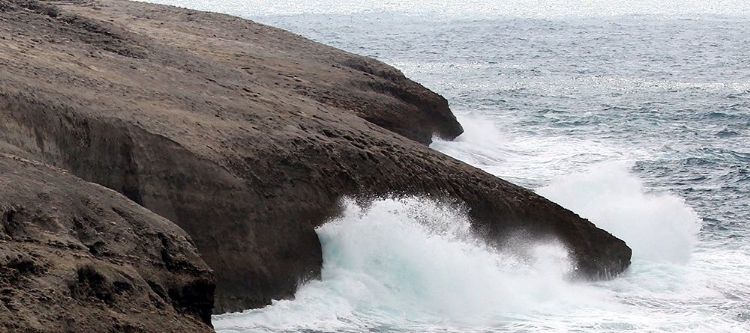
(77, 257)
(245, 136)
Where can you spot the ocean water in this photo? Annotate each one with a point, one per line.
(634, 114)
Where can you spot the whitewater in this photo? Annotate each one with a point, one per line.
(633, 114)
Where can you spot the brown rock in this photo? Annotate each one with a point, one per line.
(77, 257)
(246, 136)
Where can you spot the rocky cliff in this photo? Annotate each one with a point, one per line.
(77, 257)
(244, 135)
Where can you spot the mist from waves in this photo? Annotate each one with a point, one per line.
(414, 265)
(590, 178)
(673, 271)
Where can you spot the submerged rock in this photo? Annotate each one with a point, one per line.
(246, 136)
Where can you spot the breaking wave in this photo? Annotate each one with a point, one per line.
(414, 264)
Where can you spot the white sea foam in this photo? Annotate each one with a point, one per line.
(658, 227)
(524, 158)
(414, 265)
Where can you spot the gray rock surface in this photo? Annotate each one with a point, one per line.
(245, 136)
(77, 257)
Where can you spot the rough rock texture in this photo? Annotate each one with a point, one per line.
(244, 135)
(77, 257)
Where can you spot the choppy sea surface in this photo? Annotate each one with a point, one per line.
(634, 114)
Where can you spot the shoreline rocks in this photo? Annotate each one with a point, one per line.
(77, 257)
(245, 136)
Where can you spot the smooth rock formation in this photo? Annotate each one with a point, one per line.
(244, 135)
(77, 257)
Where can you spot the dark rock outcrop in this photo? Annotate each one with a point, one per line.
(77, 257)
(244, 135)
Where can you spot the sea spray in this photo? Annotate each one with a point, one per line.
(657, 226)
(414, 266)
(481, 145)
(524, 158)
(415, 263)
